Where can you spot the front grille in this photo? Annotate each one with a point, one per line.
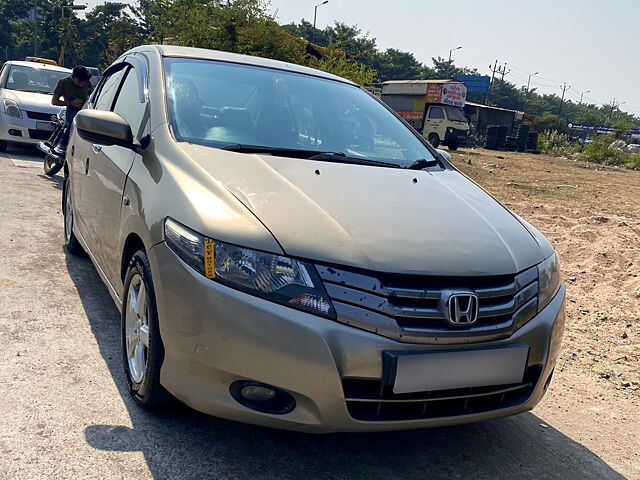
(371, 400)
(40, 115)
(39, 134)
(411, 308)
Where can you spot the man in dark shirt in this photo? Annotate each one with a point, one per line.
(74, 90)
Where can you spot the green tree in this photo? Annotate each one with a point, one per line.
(550, 122)
(394, 64)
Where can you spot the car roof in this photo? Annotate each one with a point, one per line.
(43, 66)
(205, 54)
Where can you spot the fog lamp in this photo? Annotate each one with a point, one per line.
(257, 393)
(262, 398)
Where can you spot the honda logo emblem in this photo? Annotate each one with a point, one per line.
(462, 309)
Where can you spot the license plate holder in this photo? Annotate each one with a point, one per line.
(412, 371)
(45, 126)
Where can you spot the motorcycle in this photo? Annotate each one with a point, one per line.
(53, 161)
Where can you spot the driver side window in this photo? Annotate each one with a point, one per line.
(128, 104)
(436, 112)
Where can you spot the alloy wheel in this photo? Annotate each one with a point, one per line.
(137, 329)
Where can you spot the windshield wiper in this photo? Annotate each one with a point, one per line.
(289, 152)
(37, 91)
(423, 163)
(338, 157)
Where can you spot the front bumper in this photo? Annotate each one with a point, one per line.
(25, 130)
(214, 335)
(458, 137)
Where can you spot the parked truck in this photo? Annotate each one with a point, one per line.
(433, 107)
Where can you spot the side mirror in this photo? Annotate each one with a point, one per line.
(445, 154)
(104, 128)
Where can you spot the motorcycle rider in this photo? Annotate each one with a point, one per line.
(75, 90)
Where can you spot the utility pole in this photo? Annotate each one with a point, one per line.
(526, 96)
(614, 106)
(564, 88)
(453, 50)
(35, 28)
(500, 71)
(504, 71)
(582, 94)
(63, 33)
(315, 15)
(493, 69)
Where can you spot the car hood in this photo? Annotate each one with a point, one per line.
(28, 100)
(381, 219)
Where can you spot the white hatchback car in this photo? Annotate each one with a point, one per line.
(25, 101)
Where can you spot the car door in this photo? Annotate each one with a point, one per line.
(109, 169)
(83, 156)
(434, 121)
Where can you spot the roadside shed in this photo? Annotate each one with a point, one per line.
(480, 116)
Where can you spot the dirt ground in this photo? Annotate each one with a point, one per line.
(592, 216)
(65, 413)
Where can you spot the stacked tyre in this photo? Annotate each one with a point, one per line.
(503, 131)
(523, 136)
(532, 142)
(491, 140)
(510, 144)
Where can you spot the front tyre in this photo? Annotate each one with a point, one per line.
(434, 140)
(453, 145)
(70, 241)
(52, 165)
(142, 348)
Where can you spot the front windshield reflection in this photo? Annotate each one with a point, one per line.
(216, 103)
(38, 80)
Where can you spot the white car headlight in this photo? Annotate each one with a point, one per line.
(277, 278)
(11, 108)
(548, 280)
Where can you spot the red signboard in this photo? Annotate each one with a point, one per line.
(411, 116)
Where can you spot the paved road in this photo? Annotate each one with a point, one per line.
(64, 412)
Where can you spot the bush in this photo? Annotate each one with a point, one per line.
(633, 161)
(557, 143)
(600, 151)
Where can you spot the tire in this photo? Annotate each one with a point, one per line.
(453, 146)
(3, 146)
(71, 243)
(434, 140)
(51, 165)
(142, 348)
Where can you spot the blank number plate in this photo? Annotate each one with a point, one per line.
(419, 372)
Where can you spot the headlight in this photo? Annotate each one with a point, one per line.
(11, 108)
(274, 277)
(548, 280)
(450, 129)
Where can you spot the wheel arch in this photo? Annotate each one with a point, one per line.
(132, 244)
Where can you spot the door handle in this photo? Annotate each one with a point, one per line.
(96, 148)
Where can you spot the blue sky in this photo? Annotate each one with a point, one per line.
(590, 44)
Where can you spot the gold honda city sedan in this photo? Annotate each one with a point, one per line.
(286, 251)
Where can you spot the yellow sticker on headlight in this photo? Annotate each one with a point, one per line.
(209, 258)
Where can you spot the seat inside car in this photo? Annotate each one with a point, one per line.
(20, 81)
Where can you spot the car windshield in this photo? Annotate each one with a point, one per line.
(455, 114)
(39, 80)
(218, 104)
